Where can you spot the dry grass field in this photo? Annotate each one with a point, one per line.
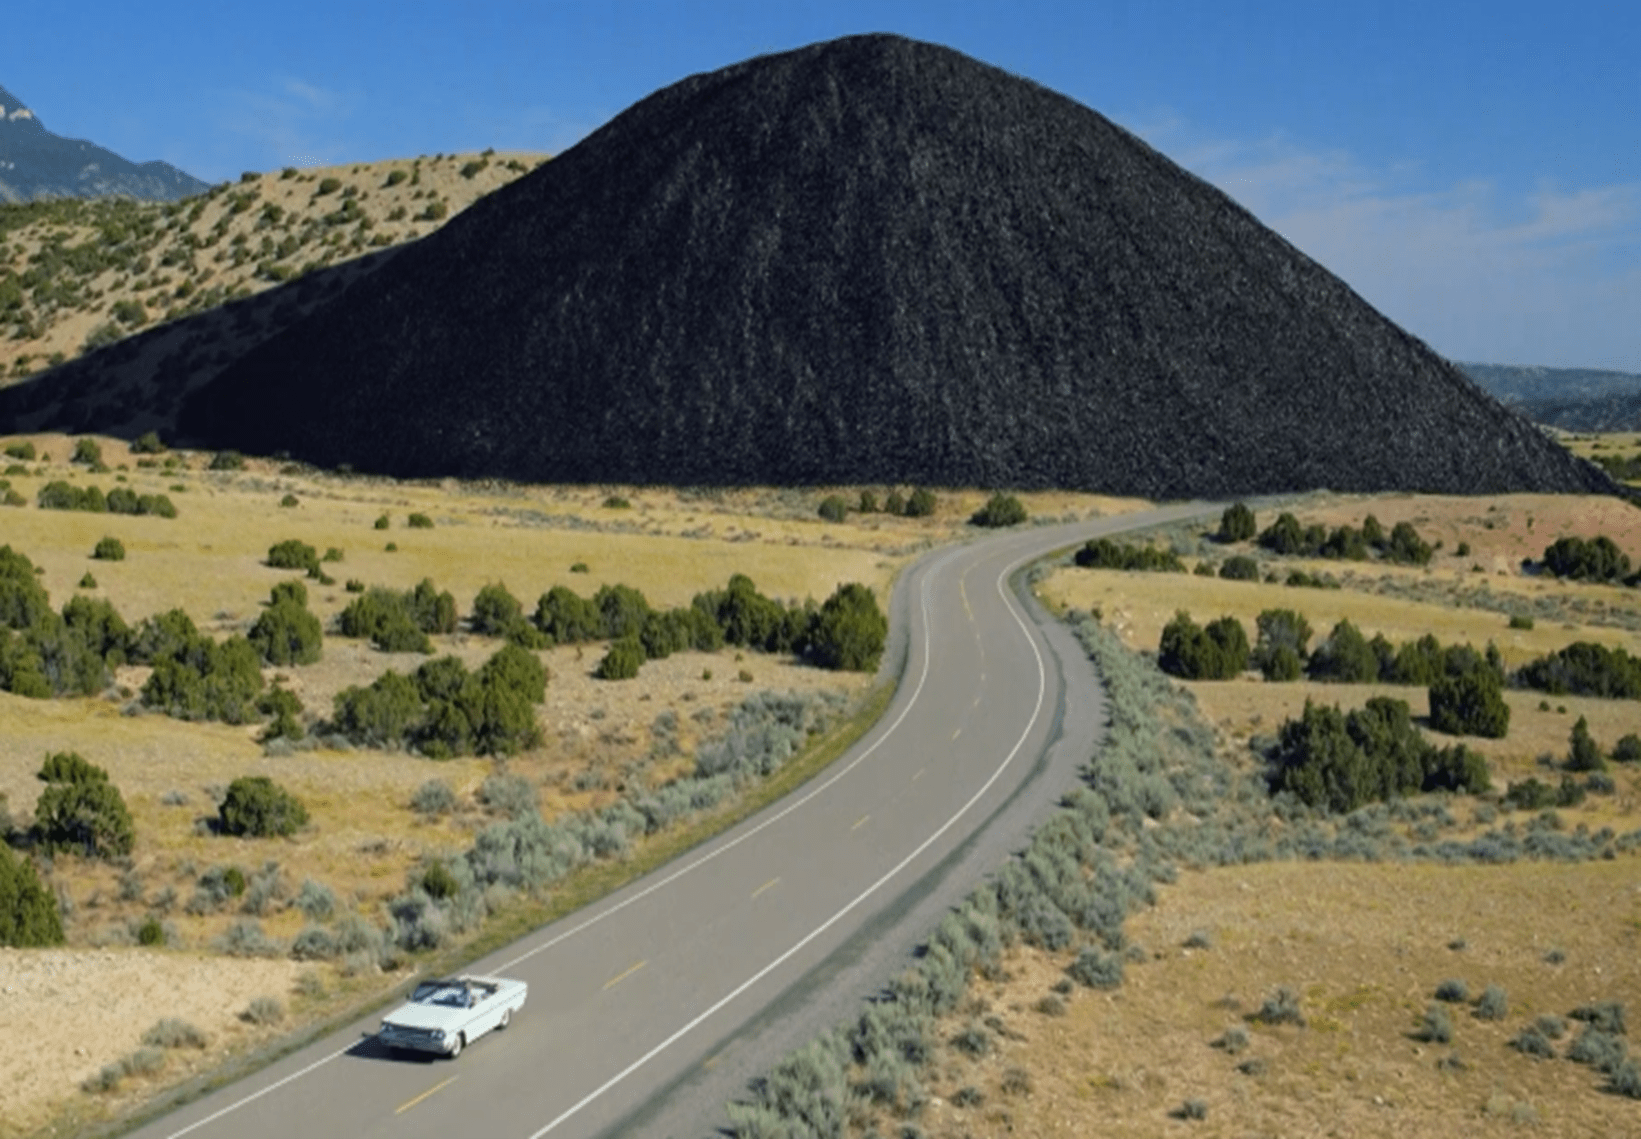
(1365, 946)
(363, 838)
(1501, 532)
(211, 245)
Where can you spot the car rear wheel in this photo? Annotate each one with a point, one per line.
(506, 1018)
(456, 1047)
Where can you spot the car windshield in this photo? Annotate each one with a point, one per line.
(450, 993)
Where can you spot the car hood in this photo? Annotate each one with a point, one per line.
(410, 1015)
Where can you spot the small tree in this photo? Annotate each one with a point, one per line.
(833, 508)
(81, 810)
(1345, 657)
(1239, 567)
(258, 807)
(28, 912)
(1583, 754)
(1236, 524)
(286, 633)
(109, 549)
(1218, 652)
(921, 504)
(496, 611)
(88, 452)
(294, 554)
(1000, 510)
(1469, 705)
(850, 631)
(622, 661)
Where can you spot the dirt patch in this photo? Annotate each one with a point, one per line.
(82, 1009)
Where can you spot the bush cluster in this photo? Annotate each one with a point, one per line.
(80, 810)
(52, 654)
(399, 622)
(444, 710)
(59, 495)
(1598, 559)
(1339, 762)
(919, 504)
(1584, 669)
(847, 632)
(1402, 544)
(1218, 652)
(1103, 553)
(194, 677)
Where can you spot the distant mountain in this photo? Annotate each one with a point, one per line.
(1574, 399)
(34, 163)
(869, 260)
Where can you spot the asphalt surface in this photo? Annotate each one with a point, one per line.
(652, 1008)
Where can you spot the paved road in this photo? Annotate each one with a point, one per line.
(651, 1008)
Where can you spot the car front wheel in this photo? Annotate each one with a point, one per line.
(506, 1018)
(457, 1044)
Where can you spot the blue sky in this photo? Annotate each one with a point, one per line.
(1472, 169)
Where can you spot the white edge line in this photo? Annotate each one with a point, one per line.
(922, 677)
(1031, 724)
(674, 876)
(235, 1106)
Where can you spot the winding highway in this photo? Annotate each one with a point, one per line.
(651, 1008)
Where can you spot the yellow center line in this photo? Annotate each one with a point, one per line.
(614, 981)
(957, 733)
(861, 823)
(408, 1104)
(919, 774)
(764, 887)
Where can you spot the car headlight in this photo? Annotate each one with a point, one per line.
(438, 1034)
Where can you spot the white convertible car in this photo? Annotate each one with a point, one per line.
(447, 1015)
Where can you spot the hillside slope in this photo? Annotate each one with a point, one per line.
(871, 259)
(130, 305)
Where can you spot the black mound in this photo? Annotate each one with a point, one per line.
(34, 164)
(870, 260)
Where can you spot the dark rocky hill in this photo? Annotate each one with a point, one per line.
(34, 163)
(870, 260)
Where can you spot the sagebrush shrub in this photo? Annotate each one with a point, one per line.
(435, 797)
(173, 1032)
(1096, 969)
(1494, 1003)
(1280, 1007)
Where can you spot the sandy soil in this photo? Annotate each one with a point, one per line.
(82, 1009)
